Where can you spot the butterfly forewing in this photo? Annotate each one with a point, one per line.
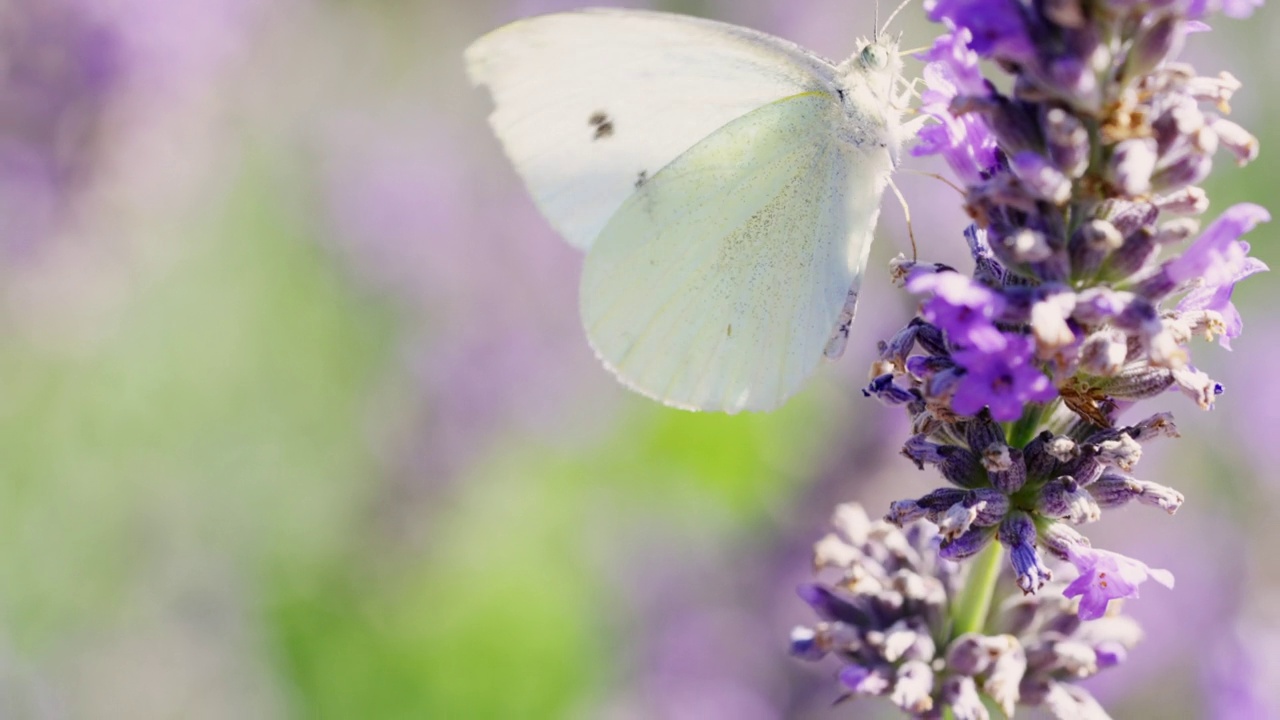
(591, 104)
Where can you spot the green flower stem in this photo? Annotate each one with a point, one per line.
(1021, 431)
(995, 711)
(971, 609)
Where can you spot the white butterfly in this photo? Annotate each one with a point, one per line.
(725, 184)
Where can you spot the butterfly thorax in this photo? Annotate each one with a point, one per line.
(867, 84)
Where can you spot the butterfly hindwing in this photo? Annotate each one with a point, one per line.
(717, 285)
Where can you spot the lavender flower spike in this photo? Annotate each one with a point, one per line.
(1082, 183)
(1081, 301)
(884, 600)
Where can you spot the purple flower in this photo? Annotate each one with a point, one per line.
(964, 141)
(999, 27)
(1240, 8)
(1218, 298)
(957, 63)
(1217, 256)
(1219, 260)
(1105, 576)
(962, 307)
(1230, 8)
(1004, 381)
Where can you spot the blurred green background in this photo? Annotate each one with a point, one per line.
(298, 420)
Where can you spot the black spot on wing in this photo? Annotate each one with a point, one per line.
(602, 123)
(641, 178)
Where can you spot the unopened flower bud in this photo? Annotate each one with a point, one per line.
(1043, 179)
(1103, 353)
(1156, 40)
(968, 544)
(1038, 460)
(1058, 538)
(912, 691)
(1187, 201)
(1176, 231)
(1064, 498)
(960, 693)
(1116, 448)
(1158, 425)
(1138, 380)
(1068, 141)
(1217, 90)
(1236, 140)
(1191, 168)
(1160, 496)
(1132, 164)
(1028, 246)
(1138, 251)
(1012, 476)
(1049, 320)
(1018, 534)
(1196, 385)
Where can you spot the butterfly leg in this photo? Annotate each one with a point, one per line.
(913, 126)
(909, 92)
(906, 211)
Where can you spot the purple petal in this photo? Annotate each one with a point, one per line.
(1216, 256)
(1106, 576)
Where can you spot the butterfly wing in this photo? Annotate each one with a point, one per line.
(590, 104)
(719, 282)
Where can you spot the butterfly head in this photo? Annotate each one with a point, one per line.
(876, 66)
(874, 57)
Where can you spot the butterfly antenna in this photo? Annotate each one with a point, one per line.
(892, 15)
(876, 25)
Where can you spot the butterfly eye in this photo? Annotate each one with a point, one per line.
(874, 57)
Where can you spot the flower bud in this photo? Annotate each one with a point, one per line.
(1103, 353)
(1068, 141)
(1132, 164)
(1155, 42)
(1187, 201)
(1236, 140)
(1043, 179)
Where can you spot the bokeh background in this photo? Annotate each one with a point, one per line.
(297, 418)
